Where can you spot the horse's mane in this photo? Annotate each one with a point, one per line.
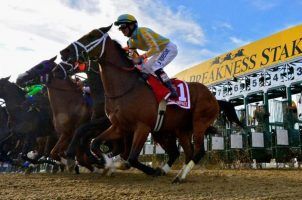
(123, 53)
(3, 114)
(125, 57)
(3, 109)
(17, 88)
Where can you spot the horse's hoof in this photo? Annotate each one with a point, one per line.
(122, 165)
(77, 169)
(71, 165)
(105, 171)
(28, 170)
(55, 169)
(110, 173)
(176, 180)
(62, 167)
(159, 172)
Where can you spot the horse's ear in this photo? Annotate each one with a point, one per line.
(7, 78)
(105, 29)
(53, 59)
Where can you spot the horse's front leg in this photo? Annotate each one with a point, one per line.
(54, 153)
(112, 133)
(140, 136)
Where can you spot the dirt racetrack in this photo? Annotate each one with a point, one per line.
(131, 184)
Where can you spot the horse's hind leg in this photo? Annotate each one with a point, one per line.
(199, 127)
(185, 141)
(168, 143)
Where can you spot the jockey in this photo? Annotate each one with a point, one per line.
(86, 91)
(159, 49)
(31, 91)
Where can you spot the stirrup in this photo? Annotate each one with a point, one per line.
(173, 93)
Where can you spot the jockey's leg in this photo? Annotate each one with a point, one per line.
(163, 77)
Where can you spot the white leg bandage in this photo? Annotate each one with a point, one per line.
(187, 169)
(166, 168)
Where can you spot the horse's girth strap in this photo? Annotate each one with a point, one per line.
(160, 115)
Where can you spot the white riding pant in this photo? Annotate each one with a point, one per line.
(161, 59)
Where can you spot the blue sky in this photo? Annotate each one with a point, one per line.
(202, 29)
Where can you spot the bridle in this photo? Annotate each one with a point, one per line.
(80, 49)
(89, 47)
(61, 67)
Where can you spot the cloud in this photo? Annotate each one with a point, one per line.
(38, 30)
(264, 5)
(89, 6)
(222, 25)
(238, 42)
(24, 49)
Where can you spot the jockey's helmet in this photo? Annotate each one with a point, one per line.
(125, 19)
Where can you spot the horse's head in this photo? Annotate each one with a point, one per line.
(42, 72)
(4, 84)
(37, 74)
(4, 130)
(88, 47)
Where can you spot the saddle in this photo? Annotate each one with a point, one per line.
(163, 93)
(162, 96)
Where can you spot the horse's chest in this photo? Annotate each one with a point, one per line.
(116, 116)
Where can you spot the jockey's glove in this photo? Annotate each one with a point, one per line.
(137, 61)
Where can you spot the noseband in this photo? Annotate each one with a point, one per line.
(89, 47)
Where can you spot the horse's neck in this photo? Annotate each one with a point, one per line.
(116, 80)
(96, 85)
(3, 117)
(14, 99)
(60, 92)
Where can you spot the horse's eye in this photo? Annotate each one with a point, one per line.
(40, 67)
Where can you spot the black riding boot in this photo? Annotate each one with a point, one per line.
(163, 77)
(169, 85)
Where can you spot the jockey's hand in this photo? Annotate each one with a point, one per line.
(138, 60)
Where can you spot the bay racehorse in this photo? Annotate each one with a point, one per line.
(68, 106)
(89, 129)
(4, 133)
(100, 122)
(132, 107)
(26, 127)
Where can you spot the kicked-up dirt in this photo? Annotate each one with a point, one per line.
(132, 184)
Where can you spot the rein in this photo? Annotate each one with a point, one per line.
(91, 69)
(87, 48)
(62, 89)
(122, 94)
(126, 91)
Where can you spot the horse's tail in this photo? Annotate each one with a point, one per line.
(211, 130)
(229, 111)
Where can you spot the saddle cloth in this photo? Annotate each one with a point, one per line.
(161, 92)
